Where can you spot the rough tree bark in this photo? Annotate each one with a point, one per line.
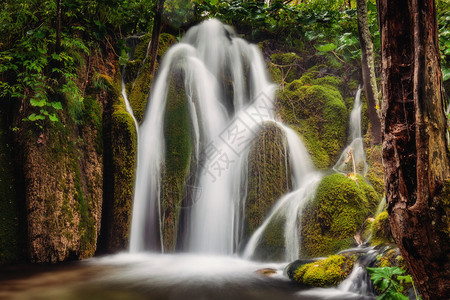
(415, 153)
(156, 31)
(58, 27)
(368, 70)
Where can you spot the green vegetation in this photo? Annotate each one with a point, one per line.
(381, 233)
(335, 214)
(326, 272)
(139, 87)
(390, 282)
(315, 107)
(178, 154)
(268, 176)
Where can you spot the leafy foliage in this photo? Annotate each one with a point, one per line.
(389, 281)
(39, 68)
(444, 36)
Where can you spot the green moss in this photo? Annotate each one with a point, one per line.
(124, 154)
(178, 153)
(268, 180)
(271, 244)
(285, 67)
(141, 87)
(268, 176)
(381, 232)
(329, 81)
(375, 174)
(324, 273)
(320, 114)
(335, 214)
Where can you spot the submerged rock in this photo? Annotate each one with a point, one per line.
(266, 271)
(336, 213)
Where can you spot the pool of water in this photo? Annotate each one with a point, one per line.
(156, 276)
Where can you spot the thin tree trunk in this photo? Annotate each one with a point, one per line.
(415, 153)
(368, 70)
(154, 43)
(58, 27)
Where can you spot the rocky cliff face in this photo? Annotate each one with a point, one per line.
(62, 167)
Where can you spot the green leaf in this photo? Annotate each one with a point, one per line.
(445, 74)
(53, 118)
(56, 105)
(405, 279)
(325, 48)
(34, 117)
(38, 102)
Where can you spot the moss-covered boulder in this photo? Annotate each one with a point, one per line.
(268, 180)
(336, 213)
(124, 154)
(324, 273)
(139, 87)
(120, 143)
(284, 67)
(316, 109)
(178, 151)
(268, 175)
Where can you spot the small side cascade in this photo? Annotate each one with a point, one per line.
(289, 208)
(359, 280)
(353, 158)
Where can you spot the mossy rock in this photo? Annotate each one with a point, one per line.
(285, 67)
(139, 91)
(63, 215)
(390, 256)
(375, 174)
(326, 272)
(268, 175)
(124, 154)
(178, 156)
(271, 246)
(381, 231)
(336, 213)
(319, 113)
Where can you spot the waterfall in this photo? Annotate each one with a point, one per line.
(224, 126)
(353, 157)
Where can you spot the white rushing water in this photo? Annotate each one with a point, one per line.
(224, 126)
(353, 157)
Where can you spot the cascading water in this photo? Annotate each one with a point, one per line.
(289, 207)
(224, 126)
(353, 158)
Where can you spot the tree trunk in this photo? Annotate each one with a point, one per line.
(58, 27)
(415, 153)
(156, 31)
(368, 70)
